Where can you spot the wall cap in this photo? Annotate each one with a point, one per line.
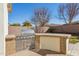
(53, 34)
(10, 37)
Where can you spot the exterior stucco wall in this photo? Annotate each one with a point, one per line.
(1, 29)
(3, 26)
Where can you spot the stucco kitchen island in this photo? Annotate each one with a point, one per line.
(51, 41)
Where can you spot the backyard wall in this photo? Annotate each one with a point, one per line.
(15, 30)
(67, 28)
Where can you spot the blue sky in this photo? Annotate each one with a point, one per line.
(24, 11)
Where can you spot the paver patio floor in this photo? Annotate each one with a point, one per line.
(25, 53)
(74, 49)
(45, 52)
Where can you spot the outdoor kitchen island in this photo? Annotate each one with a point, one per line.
(54, 42)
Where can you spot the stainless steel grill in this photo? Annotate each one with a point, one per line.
(25, 41)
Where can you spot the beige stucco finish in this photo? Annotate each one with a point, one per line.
(3, 26)
(10, 44)
(1, 29)
(50, 43)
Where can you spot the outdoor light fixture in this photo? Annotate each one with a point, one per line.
(9, 5)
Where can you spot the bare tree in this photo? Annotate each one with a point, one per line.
(68, 12)
(40, 18)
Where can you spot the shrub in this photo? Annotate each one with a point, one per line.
(74, 39)
(51, 30)
(15, 24)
